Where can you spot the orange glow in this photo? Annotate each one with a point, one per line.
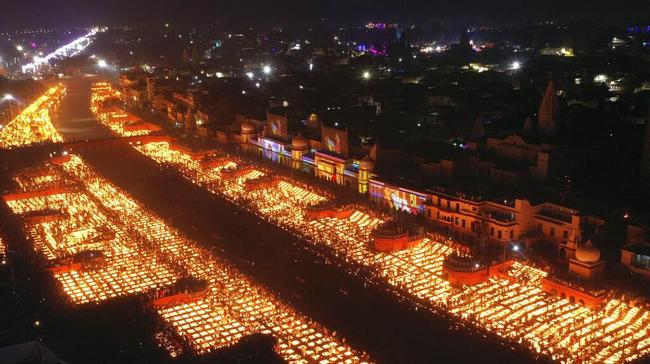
(33, 124)
(142, 253)
(512, 306)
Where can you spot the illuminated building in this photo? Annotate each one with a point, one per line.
(397, 198)
(327, 159)
(587, 263)
(557, 51)
(366, 167)
(332, 158)
(470, 216)
(248, 133)
(299, 147)
(117, 119)
(474, 217)
(516, 301)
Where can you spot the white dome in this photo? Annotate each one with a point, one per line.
(588, 253)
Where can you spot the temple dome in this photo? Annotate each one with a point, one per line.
(247, 127)
(367, 163)
(588, 253)
(299, 142)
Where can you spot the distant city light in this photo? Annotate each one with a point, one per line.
(516, 65)
(515, 248)
(19, 48)
(102, 63)
(366, 75)
(250, 75)
(67, 50)
(7, 97)
(266, 69)
(219, 74)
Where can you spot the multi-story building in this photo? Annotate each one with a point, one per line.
(328, 158)
(491, 220)
(635, 255)
(502, 221)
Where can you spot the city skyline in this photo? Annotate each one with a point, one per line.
(285, 12)
(331, 182)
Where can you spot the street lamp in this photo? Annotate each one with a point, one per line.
(266, 69)
(366, 75)
(102, 64)
(515, 66)
(515, 248)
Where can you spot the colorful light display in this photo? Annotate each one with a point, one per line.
(398, 198)
(335, 140)
(511, 305)
(138, 252)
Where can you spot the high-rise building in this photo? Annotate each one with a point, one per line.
(549, 111)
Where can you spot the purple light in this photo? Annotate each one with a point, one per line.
(378, 52)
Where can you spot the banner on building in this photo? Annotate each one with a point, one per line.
(398, 198)
(335, 140)
(278, 125)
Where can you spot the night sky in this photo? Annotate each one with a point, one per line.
(30, 13)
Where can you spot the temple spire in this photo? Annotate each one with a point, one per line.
(549, 111)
